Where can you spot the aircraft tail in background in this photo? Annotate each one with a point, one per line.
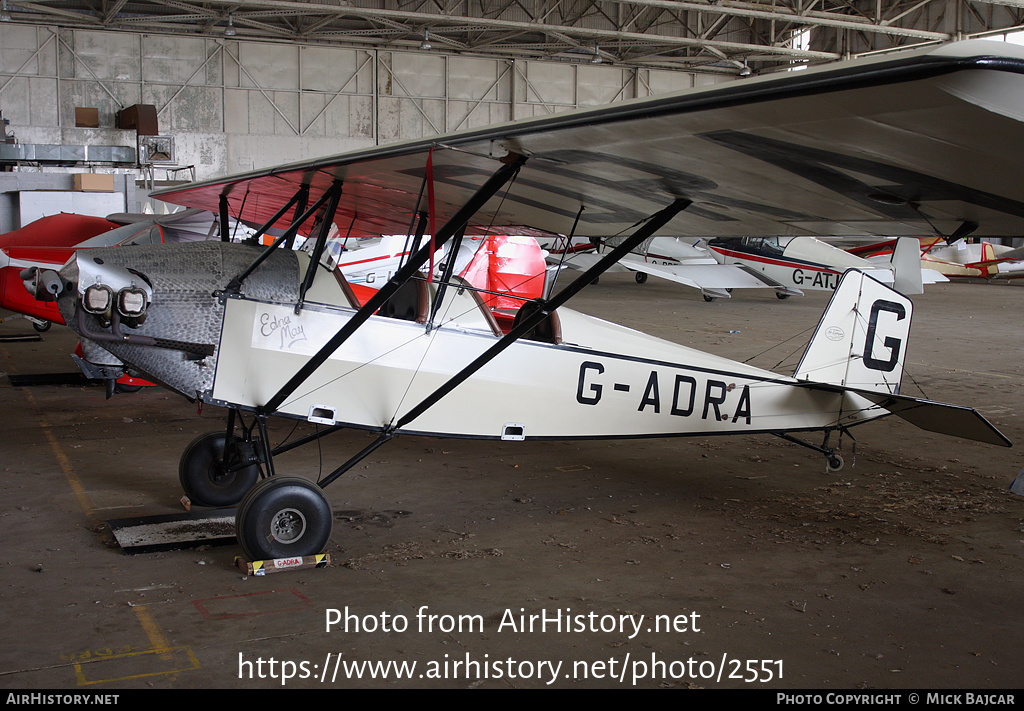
(906, 266)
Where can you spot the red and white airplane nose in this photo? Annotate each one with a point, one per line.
(17, 295)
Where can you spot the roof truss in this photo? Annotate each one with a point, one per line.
(723, 35)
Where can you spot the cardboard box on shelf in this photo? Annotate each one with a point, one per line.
(87, 118)
(141, 117)
(94, 182)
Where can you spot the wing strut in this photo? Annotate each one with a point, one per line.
(225, 235)
(446, 277)
(299, 200)
(416, 237)
(656, 222)
(236, 283)
(327, 219)
(454, 224)
(568, 244)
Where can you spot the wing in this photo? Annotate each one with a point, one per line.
(930, 276)
(580, 261)
(864, 147)
(715, 280)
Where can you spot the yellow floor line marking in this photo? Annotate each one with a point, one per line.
(157, 640)
(64, 462)
(153, 631)
(186, 661)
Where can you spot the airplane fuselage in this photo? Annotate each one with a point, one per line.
(765, 255)
(593, 379)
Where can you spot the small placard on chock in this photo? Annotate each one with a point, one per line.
(278, 565)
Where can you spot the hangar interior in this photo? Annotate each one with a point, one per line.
(238, 86)
(902, 571)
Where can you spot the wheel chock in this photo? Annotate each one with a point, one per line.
(277, 565)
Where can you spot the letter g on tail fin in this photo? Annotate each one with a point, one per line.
(861, 340)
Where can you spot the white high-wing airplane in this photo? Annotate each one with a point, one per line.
(372, 261)
(369, 262)
(788, 265)
(804, 262)
(277, 333)
(655, 252)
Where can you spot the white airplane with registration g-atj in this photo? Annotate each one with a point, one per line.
(278, 333)
(788, 265)
(792, 264)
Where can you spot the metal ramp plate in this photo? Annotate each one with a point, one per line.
(148, 534)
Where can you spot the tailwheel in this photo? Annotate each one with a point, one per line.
(211, 476)
(283, 517)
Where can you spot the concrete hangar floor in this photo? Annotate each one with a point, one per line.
(696, 563)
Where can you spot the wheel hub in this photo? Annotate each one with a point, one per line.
(287, 525)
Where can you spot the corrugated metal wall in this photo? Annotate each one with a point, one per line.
(236, 105)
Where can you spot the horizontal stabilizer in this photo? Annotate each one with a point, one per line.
(930, 276)
(581, 261)
(711, 278)
(938, 417)
(941, 418)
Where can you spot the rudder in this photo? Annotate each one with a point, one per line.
(906, 266)
(861, 340)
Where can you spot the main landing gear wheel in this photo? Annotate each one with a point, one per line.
(781, 296)
(834, 462)
(283, 517)
(42, 327)
(641, 278)
(708, 299)
(204, 474)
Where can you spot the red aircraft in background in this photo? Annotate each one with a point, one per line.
(960, 258)
(48, 243)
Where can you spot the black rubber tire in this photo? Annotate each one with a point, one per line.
(283, 517)
(641, 278)
(780, 296)
(42, 328)
(708, 299)
(200, 473)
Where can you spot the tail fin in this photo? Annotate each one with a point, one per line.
(988, 258)
(861, 340)
(906, 266)
(860, 346)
